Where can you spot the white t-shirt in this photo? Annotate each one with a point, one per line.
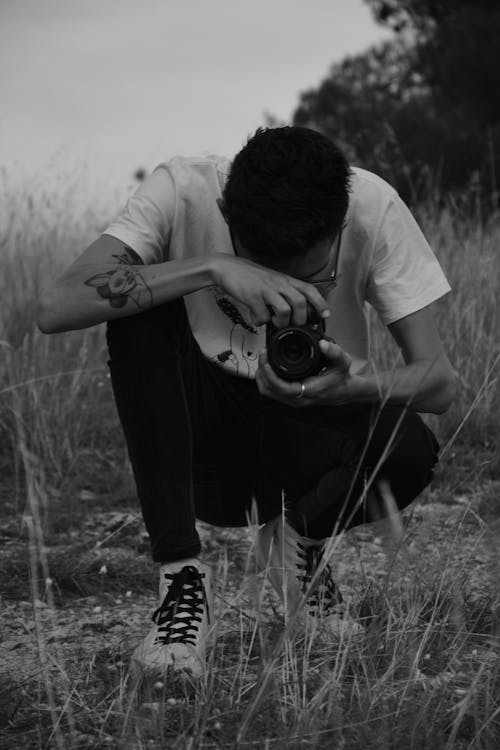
(385, 261)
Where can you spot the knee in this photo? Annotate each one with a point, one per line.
(149, 332)
(402, 439)
(417, 449)
(411, 461)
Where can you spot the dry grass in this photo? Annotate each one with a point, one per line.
(426, 672)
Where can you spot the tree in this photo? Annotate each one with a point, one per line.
(423, 16)
(425, 108)
(369, 105)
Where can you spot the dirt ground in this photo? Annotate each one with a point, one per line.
(111, 559)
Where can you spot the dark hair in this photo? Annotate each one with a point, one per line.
(287, 189)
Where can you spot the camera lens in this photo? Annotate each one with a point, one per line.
(295, 348)
(294, 352)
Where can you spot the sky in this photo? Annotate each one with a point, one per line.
(126, 83)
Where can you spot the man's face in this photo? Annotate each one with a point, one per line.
(317, 263)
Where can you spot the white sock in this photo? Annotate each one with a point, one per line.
(174, 567)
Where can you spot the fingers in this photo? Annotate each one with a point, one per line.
(298, 294)
(316, 299)
(269, 384)
(259, 287)
(280, 308)
(260, 312)
(336, 356)
(298, 305)
(288, 306)
(286, 302)
(325, 387)
(290, 303)
(282, 311)
(270, 306)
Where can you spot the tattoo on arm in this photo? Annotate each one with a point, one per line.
(121, 284)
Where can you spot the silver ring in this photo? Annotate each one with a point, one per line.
(302, 391)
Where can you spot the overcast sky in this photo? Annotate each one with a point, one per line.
(123, 83)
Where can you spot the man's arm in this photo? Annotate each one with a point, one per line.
(110, 281)
(425, 383)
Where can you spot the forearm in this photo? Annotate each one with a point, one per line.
(423, 386)
(94, 294)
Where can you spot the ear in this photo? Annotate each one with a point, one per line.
(222, 207)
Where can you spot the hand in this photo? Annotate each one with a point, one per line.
(270, 295)
(334, 386)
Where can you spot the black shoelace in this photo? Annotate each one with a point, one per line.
(181, 610)
(326, 597)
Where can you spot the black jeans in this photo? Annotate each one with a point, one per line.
(204, 443)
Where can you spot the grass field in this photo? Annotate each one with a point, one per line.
(77, 586)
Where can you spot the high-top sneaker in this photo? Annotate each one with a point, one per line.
(292, 562)
(181, 623)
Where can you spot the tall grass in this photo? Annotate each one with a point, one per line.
(57, 386)
(467, 318)
(61, 380)
(424, 674)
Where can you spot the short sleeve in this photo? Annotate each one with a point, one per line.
(404, 274)
(146, 221)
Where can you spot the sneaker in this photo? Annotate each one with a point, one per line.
(181, 623)
(292, 561)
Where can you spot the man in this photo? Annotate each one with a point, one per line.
(204, 256)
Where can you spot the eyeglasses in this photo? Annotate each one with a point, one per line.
(328, 283)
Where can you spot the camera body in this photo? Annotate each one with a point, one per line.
(293, 351)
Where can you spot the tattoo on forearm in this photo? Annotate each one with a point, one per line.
(121, 284)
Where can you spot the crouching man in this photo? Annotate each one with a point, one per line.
(235, 295)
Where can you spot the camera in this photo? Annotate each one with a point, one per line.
(293, 352)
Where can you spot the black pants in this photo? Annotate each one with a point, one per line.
(204, 443)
